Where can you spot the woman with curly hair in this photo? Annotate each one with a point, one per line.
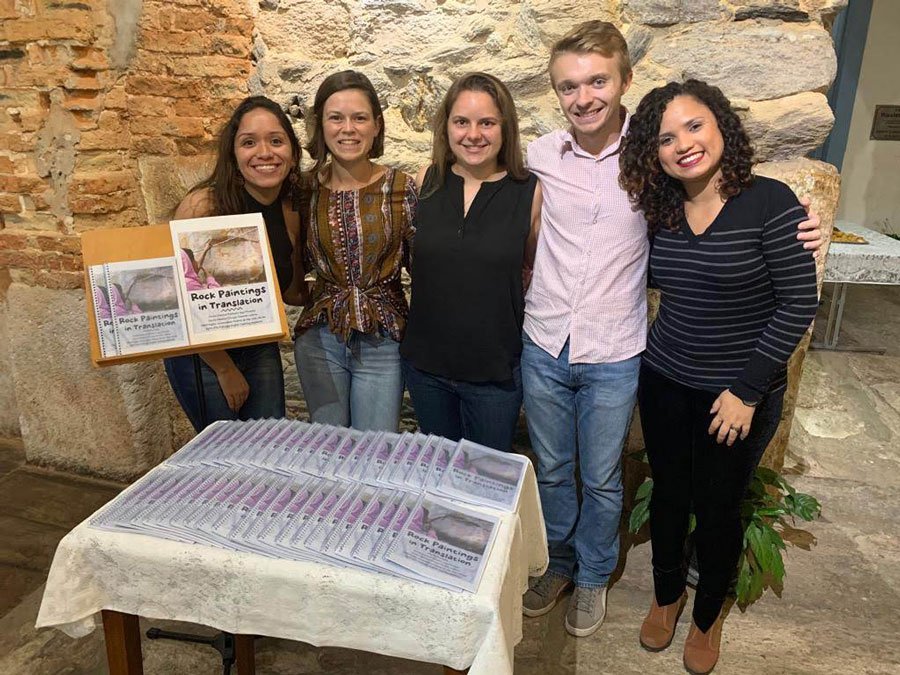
(738, 291)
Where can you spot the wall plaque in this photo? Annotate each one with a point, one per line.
(886, 123)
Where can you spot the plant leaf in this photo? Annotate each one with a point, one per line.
(640, 514)
(644, 490)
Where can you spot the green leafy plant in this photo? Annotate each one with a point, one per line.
(770, 503)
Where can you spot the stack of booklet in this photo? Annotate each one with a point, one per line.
(378, 501)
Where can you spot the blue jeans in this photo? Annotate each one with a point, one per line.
(355, 385)
(483, 412)
(581, 411)
(261, 367)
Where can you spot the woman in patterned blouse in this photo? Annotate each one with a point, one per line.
(359, 222)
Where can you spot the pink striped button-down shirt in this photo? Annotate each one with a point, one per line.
(590, 273)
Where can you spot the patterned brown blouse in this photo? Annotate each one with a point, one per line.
(356, 242)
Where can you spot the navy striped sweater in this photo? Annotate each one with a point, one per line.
(735, 300)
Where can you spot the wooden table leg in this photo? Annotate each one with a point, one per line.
(450, 671)
(245, 654)
(123, 643)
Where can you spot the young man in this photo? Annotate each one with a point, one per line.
(585, 323)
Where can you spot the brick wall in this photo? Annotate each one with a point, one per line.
(89, 90)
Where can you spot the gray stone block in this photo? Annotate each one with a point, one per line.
(113, 422)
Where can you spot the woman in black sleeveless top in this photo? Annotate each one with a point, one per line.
(257, 153)
(479, 210)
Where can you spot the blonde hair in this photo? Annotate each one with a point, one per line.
(600, 37)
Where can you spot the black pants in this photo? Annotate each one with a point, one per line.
(690, 470)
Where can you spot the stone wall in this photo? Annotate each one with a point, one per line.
(108, 109)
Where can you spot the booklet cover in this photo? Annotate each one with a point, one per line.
(444, 542)
(226, 277)
(137, 306)
(482, 475)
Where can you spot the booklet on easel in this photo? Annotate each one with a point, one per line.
(137, 306)
(218, 290)
(225, 277)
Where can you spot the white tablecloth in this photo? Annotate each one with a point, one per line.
(313, 603)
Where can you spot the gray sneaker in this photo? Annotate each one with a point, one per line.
(543, 592)
(587, 609)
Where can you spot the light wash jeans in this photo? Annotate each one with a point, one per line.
(355, 385)
(579, 411)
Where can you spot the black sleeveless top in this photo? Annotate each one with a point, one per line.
(467, 306)
(279, 241)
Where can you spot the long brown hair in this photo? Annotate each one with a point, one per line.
(225, 181)
(510, 157)
(345, 79)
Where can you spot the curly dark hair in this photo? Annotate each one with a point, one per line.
(654, 192)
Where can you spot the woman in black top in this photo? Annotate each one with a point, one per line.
(257, 154)
(738, 294)
(479, 213)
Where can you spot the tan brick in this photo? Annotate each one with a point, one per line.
(58, 280)
(171, 42)
(87, 162)
(16, 142)
(89, 59)
(85, 80)
(84, 100)
(10, 203)
(37, 201)
(8, 9)
(156, 85)
(56, 262)
(112, 134)
(154, 145)
(125, 218)
(95, 204)
(210, 66)
(231, 45)
(215, 109)
(227, 88)
(59, 242)
(116, 97)
(85, 120)
(20, 184)
(33, 76)
(29, 119)
(150, 105)
(46, 53)
(171, 126)
(73, 25)
(195, 146)
(14, 240)
(28, 258)
(33, 221)
(102, 182)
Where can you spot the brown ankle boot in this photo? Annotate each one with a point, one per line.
(659, 626)
(701, 650)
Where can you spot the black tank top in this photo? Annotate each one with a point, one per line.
(278, 237)
(467, 306)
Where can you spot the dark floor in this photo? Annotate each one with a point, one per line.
(37, 507)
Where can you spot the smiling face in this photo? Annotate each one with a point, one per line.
(589, 87)
(690, 143)
(475, 131)
(263, 154)
(349, 126)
